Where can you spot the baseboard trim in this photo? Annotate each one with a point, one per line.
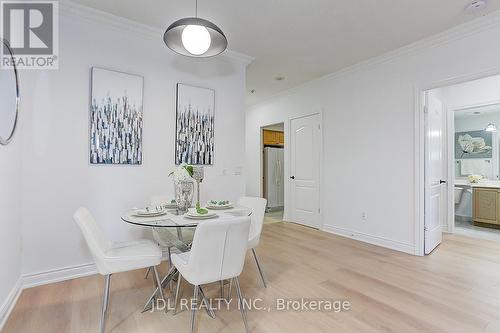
(374, 240)
(10, 302)
(58, 275)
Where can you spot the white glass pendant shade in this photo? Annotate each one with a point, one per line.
(196, 39)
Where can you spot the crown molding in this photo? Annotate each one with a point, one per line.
(464, 30)
(92, 15)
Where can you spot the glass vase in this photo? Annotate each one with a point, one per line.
(183, 195)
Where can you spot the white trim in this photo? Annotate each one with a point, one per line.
(374, 240)
(58, 275)
(450, 167)
(10, 302)
(92, 15)
(461, 31)
(41, 278)
(419, 168)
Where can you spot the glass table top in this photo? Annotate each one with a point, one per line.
(172, 219)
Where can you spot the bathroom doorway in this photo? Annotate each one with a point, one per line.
(273, 172)
(470, 151)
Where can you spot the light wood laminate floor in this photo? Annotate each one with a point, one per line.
(456, 289)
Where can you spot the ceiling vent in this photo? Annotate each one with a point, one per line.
(476, 6)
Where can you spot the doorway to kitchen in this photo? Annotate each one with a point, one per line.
(273, 167)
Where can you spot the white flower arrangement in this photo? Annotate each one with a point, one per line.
(474, 178)
(183, 173)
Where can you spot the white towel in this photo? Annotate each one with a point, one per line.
(467, 167)
(476, 167)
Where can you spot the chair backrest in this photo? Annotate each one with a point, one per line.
(96, 240)
(219, 248)
(258, 207)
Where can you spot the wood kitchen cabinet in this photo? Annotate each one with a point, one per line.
(273, 138)
(486, 205)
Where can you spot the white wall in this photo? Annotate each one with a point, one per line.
(369, 130)
(10, 223)
(476, 122)
(473, 93)
(57, 177)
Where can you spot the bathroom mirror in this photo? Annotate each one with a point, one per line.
(9, 96)
(477, 148)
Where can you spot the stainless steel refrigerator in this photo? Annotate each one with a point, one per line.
(274, 177)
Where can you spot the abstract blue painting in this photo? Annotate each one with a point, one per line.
(116, 118)
(195, 125)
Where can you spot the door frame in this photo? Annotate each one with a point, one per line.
(419, 149)
(450, 125)
(288, 159)
(261, 157)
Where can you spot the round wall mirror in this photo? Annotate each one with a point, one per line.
(9, 95)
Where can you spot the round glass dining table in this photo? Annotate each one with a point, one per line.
(172, 219)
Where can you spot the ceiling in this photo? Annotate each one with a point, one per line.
(275, 127)
(304, 39)
(484, 111)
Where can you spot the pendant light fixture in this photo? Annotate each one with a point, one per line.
(195, 37)
(491, 128)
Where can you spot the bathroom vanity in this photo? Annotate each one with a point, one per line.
(486, 205)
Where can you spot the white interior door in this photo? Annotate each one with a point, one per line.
(435, 204)
(305, 158)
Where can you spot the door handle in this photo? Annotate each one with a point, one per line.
(442, 182)
(293, 177)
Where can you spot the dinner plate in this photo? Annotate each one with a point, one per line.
(213, 206)
(150, 213)
(192, 212)
(200, 217)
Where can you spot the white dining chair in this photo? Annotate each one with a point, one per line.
(258, 207)
(167, 238)
(217, 254)
(111, 258)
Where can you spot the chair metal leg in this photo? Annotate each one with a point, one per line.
(194, 305)
(208, 308)
(242, 304)
(178, 289)
(260, 268)
(147, 273)
(158, 283)
(221, 289)
(230, 290)
(169, 249)
(105, 302)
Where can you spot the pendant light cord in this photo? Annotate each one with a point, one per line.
(196, 8)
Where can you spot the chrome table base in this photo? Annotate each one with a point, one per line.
(166, 280)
